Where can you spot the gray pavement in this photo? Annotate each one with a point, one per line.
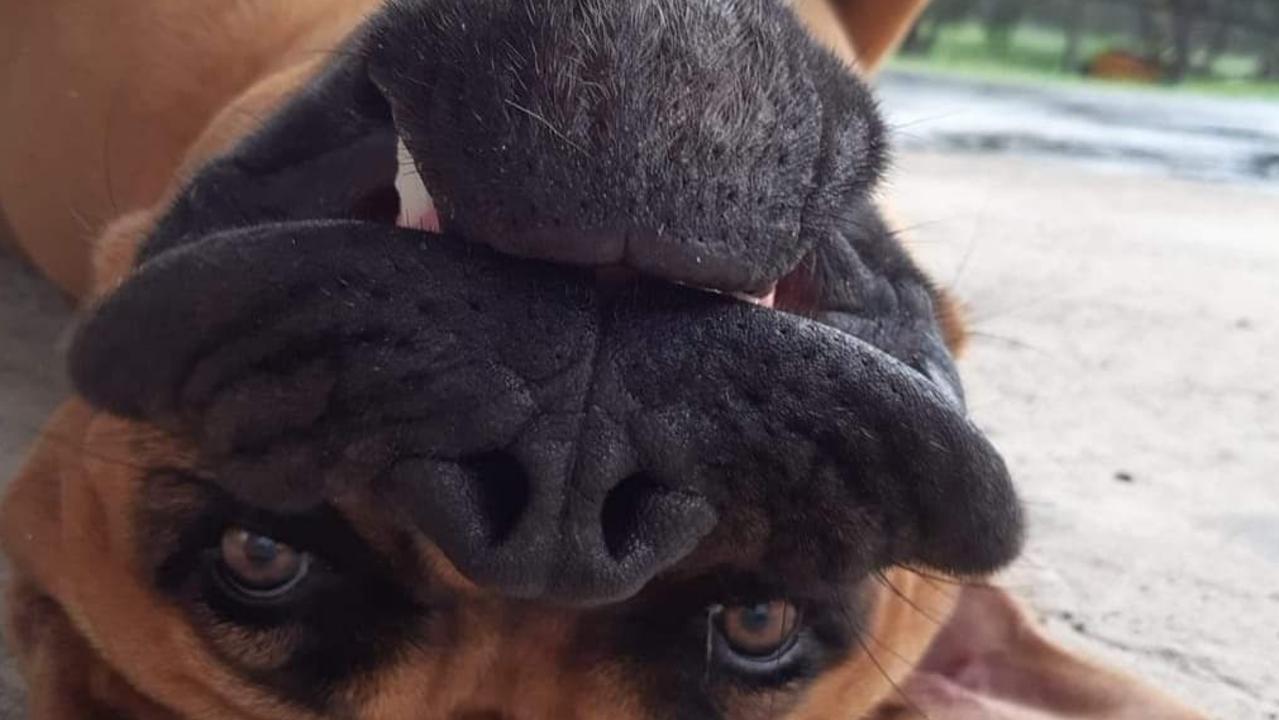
(1125, 330)
(1109, 127)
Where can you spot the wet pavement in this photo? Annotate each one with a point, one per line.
(1183, 135)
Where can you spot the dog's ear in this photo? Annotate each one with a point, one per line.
(992, 662)
(864, 32)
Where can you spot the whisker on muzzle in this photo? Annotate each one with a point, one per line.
(883, 580)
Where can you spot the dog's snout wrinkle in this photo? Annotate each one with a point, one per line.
(555, 443)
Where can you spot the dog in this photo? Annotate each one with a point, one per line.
(497, 360)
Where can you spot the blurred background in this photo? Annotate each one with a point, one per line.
(1219, 46)
(1098, 182)
(1191, 86)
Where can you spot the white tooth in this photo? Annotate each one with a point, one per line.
(417, 209)
(765, 300)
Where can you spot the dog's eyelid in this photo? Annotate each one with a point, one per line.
(321, 532)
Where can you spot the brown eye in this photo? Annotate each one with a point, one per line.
(259, 566)
(757, 631)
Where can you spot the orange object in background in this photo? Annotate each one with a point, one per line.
(1124, 65)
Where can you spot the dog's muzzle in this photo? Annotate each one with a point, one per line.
(554, 438)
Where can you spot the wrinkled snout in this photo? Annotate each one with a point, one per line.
(557, 435)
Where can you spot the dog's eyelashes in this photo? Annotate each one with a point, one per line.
(258, 567)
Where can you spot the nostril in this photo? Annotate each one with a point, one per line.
(624, 506)
(499, 491)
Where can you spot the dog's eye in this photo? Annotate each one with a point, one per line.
(260, 567)
(760, 632)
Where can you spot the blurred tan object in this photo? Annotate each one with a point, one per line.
(1124, 65)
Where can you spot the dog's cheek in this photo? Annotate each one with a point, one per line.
(116, 249)
(908, 611)
(65, 679)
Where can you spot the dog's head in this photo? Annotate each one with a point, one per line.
(643, 431)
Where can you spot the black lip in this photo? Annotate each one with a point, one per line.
(305, 357)
(706, 143)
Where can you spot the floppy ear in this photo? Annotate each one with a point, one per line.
(863, 31)
(991, 662)
(66, 680)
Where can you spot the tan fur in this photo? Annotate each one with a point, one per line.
(908, 611)
(103, 99)
(67, 527)
(106, 106)
(878, 26)
(863, 32)
(89, 631)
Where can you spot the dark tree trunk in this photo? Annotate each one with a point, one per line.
(1216, 44)
(1002, 18)
(1152, 42)
(1182, 20)
(1268, 63)
(916, 42)
(1074, 29)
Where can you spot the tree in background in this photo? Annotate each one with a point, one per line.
(1267, 13)
(940, 14)
(1001, 19)
(1174, 39)
(1218, 26)
(1075, 17)
(1182, 15)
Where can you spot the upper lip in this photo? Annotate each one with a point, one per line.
(700, 390)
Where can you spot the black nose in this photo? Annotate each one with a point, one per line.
(555, 443)
(595, 539)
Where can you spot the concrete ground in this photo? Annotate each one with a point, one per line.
(33, 319)
(1125, 336)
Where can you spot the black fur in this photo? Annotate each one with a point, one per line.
(558, 440)
(309, 356)
(709, 143)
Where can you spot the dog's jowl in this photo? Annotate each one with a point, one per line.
(657, 419)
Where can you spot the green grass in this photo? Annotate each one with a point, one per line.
(1034, 54)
